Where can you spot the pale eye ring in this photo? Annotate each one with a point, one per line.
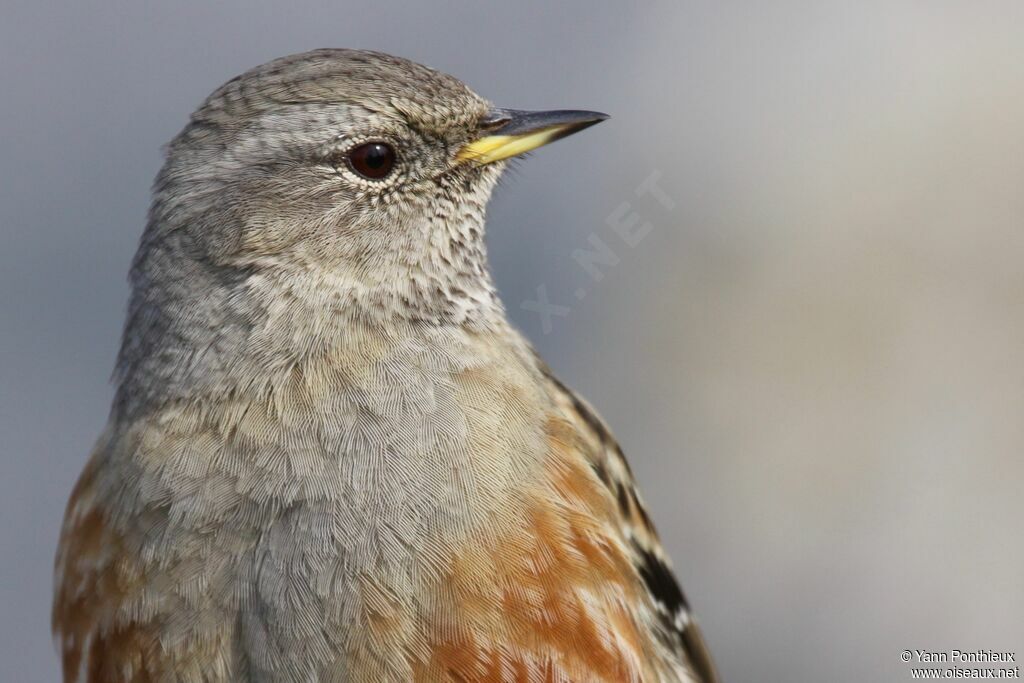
(372, 160)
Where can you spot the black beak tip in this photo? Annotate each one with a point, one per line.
(592, 118)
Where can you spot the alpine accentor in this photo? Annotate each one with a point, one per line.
(330, 457)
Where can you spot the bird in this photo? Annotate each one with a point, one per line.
(330, 456)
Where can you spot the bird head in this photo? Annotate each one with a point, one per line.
(334, 184)
(369, 167)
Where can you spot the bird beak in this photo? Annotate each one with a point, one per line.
(509, 132)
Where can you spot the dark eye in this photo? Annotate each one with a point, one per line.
(372, 160)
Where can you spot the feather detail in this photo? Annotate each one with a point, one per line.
(651, 564)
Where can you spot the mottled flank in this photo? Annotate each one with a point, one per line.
(677, 626)
(330, 458)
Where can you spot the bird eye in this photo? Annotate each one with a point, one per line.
(372, 160)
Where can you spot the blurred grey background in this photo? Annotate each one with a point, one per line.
(814, 356)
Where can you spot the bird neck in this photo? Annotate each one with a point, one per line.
(194, 329)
